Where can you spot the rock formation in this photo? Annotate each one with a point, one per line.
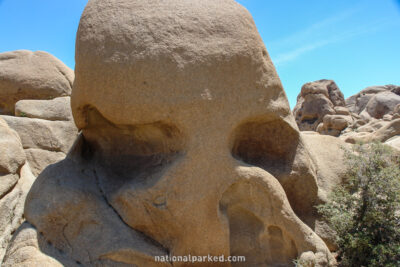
(35, 87)
(31, 75)
(15, 182)
(377, 108)
(369, 116)
(41, 133)
(374, 101)
(316, 100)
(45, 142)
(188, 146)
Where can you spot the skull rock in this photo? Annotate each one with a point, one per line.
(188, 144)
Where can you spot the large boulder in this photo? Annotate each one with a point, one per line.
(334, 124)
(328, 157)
(39, 159)
(45, 142)
(25, 250)
(391, 129)
(31, 75)
(374, 101)
(180, 110)
(316, 100)
(55, 136)
(382, 104)
(15, 182)
(357, 103)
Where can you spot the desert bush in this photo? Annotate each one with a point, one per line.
(365, 209)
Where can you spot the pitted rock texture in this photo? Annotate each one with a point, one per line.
(188, 145)
(15, 182)
(316, 100)
(31, 75)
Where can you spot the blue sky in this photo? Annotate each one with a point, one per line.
(354, 42)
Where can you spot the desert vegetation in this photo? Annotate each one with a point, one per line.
(365, 209)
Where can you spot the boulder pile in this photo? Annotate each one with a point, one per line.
(15, 181)
(315, 101)
(371, 115)
(35, 89)
(36, 128)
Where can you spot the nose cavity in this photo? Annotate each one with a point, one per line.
(265, 143)
(253, 230)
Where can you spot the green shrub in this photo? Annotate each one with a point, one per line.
(365, 210)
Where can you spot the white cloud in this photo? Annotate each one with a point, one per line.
(318, 27)
(336, 28)
(337, 37)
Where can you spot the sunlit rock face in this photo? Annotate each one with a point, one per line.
(16, 179)
(317, 99)
(188, 146)
(31, 75)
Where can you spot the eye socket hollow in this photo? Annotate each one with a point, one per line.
(269, 144)
(128, 149)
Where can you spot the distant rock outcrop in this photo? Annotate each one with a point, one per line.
(358, 102)
(316, 100)
(321, 107)
(374, 102)
(31, 75)
(371, 115)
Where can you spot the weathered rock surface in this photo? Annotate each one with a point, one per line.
(12, 155)
(365, 113)
(57, 109)
(15, 182)
(374, 131)
(394, 142)
(316, 100)
(57, 136)
(213, 132)
(31, 75)
(374, 101)
(26, 247)
(382, 104)
(391, 129)
(327, 154)
(39, 159)
(45, 142)
(334, 124)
